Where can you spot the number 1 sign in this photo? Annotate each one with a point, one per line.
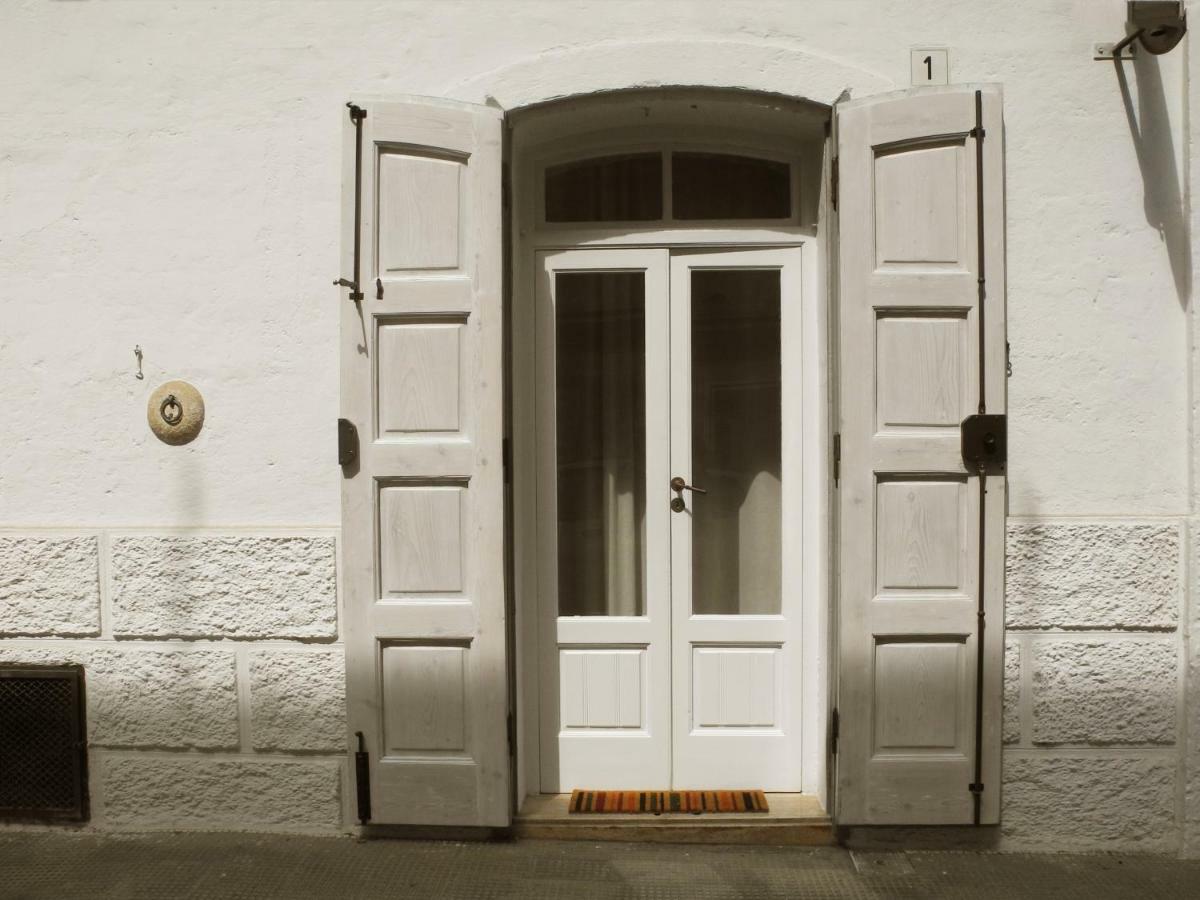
(930, 66)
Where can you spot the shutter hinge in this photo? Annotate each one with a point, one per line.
(510, 726)
(362, 779)
(506, 459)
(975, 787)
(357, 113)
(834, 179)
(835, 721)
(837, 459)
(347, 443)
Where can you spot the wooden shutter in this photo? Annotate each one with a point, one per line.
(422, 509)
(913, 323)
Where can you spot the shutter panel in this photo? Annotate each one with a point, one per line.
(910, 336)
(422, 512)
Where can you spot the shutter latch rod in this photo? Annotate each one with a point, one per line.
(984, 442)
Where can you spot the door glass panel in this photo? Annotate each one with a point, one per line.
(722, 186)
(736, 442)
(600, 409)
(625, 188)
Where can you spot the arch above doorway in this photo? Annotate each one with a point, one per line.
(763, 66)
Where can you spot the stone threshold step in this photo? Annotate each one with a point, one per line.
(794, 819)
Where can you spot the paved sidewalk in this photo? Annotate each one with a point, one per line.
(64, 866)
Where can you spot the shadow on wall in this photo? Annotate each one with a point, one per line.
(189, 492)
(1163, 201)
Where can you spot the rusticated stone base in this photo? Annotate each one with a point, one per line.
(194, 792)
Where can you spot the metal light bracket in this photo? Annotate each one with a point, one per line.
(1105, 51)
(1157, 25)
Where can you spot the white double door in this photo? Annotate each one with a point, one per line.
(669, 493)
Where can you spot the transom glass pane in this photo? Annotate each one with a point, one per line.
(722, 186)
(736, 442)
(600, 424)
(625, 188)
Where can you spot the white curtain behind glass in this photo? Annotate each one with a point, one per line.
(601, 441)
(736, 537)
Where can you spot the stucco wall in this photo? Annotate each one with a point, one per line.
(170, 177)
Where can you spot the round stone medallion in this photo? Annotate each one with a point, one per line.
(175, 412)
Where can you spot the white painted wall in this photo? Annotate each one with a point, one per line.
(169, 177)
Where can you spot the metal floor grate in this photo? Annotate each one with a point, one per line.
(43, 753)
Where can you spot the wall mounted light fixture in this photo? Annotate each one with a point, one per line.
(1158, 25)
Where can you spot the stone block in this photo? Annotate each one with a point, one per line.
(195, 792)
(1191, 802)
(1093, 575)
(1081, 802)
(298, 700)
(49, 585)
(236, 587)
(1012, 692)
(1115, 691)
(154, 699)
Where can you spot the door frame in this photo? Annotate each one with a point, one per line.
(810, 234)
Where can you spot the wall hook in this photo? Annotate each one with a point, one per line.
(137, 351)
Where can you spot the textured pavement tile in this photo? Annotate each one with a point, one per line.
(198, 866)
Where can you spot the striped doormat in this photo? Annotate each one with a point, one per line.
(656, 802)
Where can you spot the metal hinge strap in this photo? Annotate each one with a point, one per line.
(357, 114)
(362, 779)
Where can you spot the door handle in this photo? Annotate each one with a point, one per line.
(678, 485)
